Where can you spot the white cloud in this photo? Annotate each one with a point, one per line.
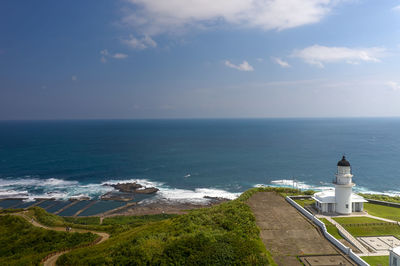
(318, 55)
(396, 8)
(105, 54)
(154, 17)
(280, 62)
(245, 66)
(74, 78)
(120, 56)
(393, 85)
(140, 44)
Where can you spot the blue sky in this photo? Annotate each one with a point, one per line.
(199, 59)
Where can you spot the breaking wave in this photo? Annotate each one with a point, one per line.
(323, 186)
(30, 188)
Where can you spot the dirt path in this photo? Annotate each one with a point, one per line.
(286, 233)
(51, 261)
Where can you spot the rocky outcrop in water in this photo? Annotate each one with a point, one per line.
(127, 191)
(118, 196)
(133, 188)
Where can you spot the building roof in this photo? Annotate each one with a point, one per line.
(343, 162)
(396, 250)
(328, 196)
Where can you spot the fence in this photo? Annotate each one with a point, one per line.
(333, 240)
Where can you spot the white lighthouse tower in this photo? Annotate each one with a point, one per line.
(343, 187)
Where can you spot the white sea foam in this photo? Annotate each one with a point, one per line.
(64, 189)
(298, 184)
(32, 182)
(304, 186)
(193, 196)
(9, 193)
(166, 193)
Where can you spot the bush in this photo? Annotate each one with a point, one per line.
(23, 244)
(225, 234)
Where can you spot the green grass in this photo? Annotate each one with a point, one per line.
(377, 260)
(331, 228)
(381, 197)
(225, 234)
(23, 244)
(387, 212)
(112, 225)
(365, 226)
(356, 220)
(304, 202)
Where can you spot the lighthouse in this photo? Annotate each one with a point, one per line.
(343, 187)
(341, 199)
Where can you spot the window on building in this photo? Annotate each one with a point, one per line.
(394, 261)
(347, 206)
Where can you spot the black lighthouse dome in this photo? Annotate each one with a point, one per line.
(343, 162)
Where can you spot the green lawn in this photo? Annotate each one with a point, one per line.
(331, 228)
(377, 260)
(356, 220)
(381, 197)
(365, 226)
(304, 202)
(23, 244)
(383, 211)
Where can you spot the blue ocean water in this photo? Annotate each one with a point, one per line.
(188, 159)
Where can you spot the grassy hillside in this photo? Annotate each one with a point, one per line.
(23, 244)
(112, 225)
(225, 234)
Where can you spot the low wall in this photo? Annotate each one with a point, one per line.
(328, 236)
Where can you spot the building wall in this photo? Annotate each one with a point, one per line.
(343, 200)
(394, 259)
(343, 175)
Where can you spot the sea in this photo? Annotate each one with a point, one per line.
(188, 159)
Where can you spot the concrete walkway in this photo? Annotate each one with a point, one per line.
(348, 236)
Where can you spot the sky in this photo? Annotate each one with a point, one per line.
(134, 59)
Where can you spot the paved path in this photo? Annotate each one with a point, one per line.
(285, 232)
(51, 261)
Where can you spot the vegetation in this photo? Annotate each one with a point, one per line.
(356, 220)
(283, 191)
(331, 228)
(365, 226)
(23, 244)
(377, 260)
(387, 212)
(111, 225)
(395, 199)
(305, 202)
(4, 211)
(225, 234)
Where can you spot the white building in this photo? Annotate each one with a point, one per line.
(394, 257)
(341, 199)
